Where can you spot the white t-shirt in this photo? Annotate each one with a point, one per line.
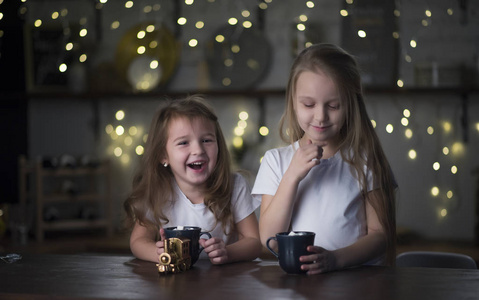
(182, 212)
(328, 200)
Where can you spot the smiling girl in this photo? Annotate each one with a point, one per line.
(185, 180)
(333, 178)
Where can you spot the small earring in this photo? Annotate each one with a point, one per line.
(165, 164)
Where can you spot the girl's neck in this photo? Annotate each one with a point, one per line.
(194, 194)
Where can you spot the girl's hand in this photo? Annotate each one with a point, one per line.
(304, 159)
(321, 261)
(216, 250)
(160, 245)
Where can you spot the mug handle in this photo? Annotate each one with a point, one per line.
(209, 237)
(269, 248)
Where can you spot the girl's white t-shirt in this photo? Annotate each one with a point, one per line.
(182, 212)
(328, 200)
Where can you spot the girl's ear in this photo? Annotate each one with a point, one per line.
(164, 161)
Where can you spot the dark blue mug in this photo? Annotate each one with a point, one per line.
(192, 233)
(291, 248)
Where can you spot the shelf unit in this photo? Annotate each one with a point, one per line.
(32, 185)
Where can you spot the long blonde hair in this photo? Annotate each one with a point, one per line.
(153, 184)
(360, 145)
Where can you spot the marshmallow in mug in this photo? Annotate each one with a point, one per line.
(296, 233)
(182, 228)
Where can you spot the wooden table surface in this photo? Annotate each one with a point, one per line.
(43, 276)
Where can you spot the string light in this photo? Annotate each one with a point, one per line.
(458, 148)
(435, 191)
(82, 58)
(115, 25)
(147, 9)
(150, 28)
(181, 21)
(237, 142)
(263, 130)
(118, 151)
(125, 159)
(247, 24)
(141, 34)
(133, 130)
(454, 170)
(128, 141)
(445, 151)
(243, 116)
(119, 130)
(449, 194)
(83, 32)
(139, 150)
(301, 27)
(389, 128)
(408, 133)
(63, 68)
(154, 64)
(239, 131)
(120, 115)
(226, 81)
(412, 154)
(109, 129)
(193, 43)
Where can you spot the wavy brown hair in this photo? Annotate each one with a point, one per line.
(153, 184)
(360, 145)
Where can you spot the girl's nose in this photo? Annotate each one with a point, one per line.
(198, 148)
(320, 114)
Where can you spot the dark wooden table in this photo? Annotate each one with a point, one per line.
(41, 276)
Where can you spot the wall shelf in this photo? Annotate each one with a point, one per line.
(33, 185)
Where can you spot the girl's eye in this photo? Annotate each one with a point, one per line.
(308, 105)
(207, 141)
(334, 106)
(182, 143)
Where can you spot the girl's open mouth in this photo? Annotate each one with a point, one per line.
(196, 165)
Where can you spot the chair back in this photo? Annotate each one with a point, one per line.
(432, 259)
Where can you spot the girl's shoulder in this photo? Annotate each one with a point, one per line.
(284, 151)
